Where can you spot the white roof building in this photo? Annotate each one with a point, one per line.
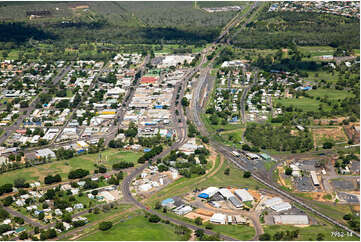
(273, 201)
(280, 207)
(226, 193)
(210, 191)
(218, 218)
(291, 219)
(243, 195)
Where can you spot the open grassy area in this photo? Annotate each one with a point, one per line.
(308, 233)
(332, 94)
(235, 178)
(37, 173)
(102, 215)
(136, 228)
(306, 104)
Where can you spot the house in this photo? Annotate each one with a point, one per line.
(58, 212)
(66, 226)
(78, 206)
(69, 209)
(218, 218)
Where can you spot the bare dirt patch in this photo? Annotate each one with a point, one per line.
(336, 134)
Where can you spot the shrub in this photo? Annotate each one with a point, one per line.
(105, 225)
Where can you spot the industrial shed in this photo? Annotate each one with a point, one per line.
(314, 178)
(218, 218)
(280, 207)
(243, 195)
(235, 202)
(291, 219)
(208, 193)
(273, 201)
(225, 193)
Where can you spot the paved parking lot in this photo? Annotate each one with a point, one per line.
(343, 185)
(304, 184)
(349, 198)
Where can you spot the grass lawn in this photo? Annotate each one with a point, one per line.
(306, 104)
(37, 173)
(102, 215)
(241, 232)
(308, 233)
(135, 229)
(234, 179)
(332, 94)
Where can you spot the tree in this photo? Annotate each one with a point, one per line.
(105, 225)
(227, 171)
(19, 182)
(3, 214)
(157, 205)
(199, 233)
(198, 221)
(247, 174)
(154, 218)
(288, 171)
(327, 145)
(264, 237)
(23, 235)
(185, 102)
(347, 217)
(320, 236)
(8, 201)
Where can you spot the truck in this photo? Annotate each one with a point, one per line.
(236, 154)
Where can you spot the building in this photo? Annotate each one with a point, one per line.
(183, 209)
(239, 219)
(291, 219)
(243, 195)
(208, 193)
(218, 218)
(273, 201)
(225, 193)
(235, 202)
(45, 153)
(314, 178)
(169, 202)
(280, 207)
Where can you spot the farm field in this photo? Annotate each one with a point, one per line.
(87, 162)
(136, 228)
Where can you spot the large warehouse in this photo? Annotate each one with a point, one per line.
(291, 219)
(243, 195)
(208, 193)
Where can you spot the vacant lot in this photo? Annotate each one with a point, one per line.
(321, 135)
(135, 229)
(37, 173)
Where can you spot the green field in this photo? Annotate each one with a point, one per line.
(37, 173)
(135, 229)
(308, 233)
(332, 94)
(306, 104)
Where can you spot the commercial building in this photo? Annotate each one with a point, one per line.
(45, 153)
(225, 193)
(273, 201)
(235, 202)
